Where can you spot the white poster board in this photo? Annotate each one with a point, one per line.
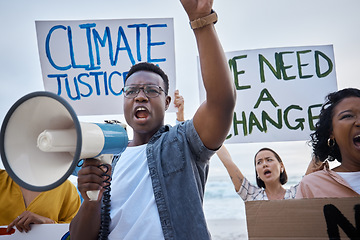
(86, 61)
(39, 231)
(279, 92)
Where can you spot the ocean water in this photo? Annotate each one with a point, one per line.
(224, 210)
(221, 201)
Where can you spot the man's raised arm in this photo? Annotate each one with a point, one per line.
(213, 118)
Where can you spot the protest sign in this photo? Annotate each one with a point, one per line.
(86, 62)
(318, 218)
(279, 92)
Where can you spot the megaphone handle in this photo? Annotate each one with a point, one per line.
(104, 159)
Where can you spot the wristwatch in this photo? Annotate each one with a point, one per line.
(201, 22)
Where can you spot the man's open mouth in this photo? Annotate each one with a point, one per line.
(141, 113)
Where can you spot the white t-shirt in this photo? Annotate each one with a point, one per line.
(352, 178)
(134, 214)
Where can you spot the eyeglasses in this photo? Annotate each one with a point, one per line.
(151, 91)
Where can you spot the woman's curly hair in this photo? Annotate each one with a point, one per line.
(323, 128)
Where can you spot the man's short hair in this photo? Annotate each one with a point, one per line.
(146, 66)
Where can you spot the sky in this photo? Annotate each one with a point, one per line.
(242, 25)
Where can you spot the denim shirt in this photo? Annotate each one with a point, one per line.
(178, 165)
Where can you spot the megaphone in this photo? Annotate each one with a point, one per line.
(42, 141)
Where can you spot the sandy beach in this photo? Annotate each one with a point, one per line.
(227, 229)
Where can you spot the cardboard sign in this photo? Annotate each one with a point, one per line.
(326, 218)
(86, 62)
(39, 231)
(279, 92)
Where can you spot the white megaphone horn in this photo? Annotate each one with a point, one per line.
(42, 141)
